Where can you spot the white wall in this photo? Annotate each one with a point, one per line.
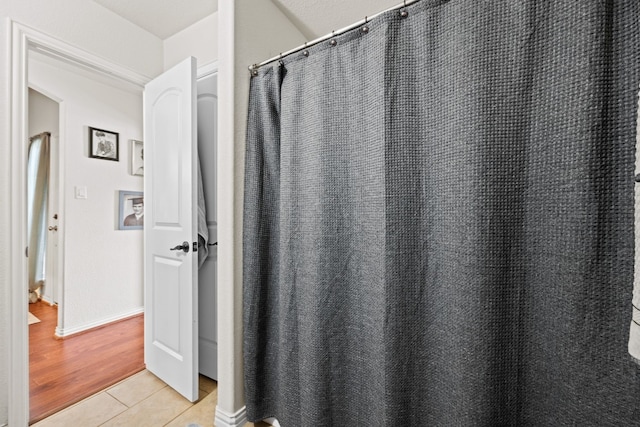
(43, 114)
(103, 266)
(88, 26)
(200, 40)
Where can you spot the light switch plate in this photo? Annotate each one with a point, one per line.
(81, 192)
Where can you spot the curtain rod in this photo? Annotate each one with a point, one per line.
(254, 68)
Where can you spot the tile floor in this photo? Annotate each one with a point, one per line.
(141, 400)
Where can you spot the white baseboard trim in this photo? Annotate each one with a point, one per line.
(48, 301)
(224, 419)
(65, 332)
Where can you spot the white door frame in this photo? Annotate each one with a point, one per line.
(23, 39)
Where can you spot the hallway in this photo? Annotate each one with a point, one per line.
(63, 372)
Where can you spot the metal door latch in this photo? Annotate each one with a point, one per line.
(183, 247)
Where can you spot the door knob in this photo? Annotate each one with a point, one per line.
(184, 247)
(53, 228)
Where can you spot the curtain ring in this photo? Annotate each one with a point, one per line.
(365, 28)
(403, 12)
(333, 41)
(305, 52)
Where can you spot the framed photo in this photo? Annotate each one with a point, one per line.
(103, 144)
(131, 210)
(137, 158)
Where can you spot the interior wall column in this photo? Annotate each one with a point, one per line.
(241, 24)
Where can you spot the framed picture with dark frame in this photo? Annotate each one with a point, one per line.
(131, 209)
(137, 158)
(103, 144)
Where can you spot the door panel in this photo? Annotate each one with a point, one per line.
(171, 280)
(52, 270)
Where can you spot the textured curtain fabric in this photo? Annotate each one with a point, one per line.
(438, 220)
(37, 195)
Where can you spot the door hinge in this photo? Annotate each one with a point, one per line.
(26, 251)
(195, 246)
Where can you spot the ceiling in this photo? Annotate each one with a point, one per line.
(162, 18)
(314, 18)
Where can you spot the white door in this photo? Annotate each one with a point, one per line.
(171, 280)
(52, 271)
(207, 144)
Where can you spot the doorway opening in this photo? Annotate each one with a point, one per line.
(75, 349)
(25, 42)
(42, 196)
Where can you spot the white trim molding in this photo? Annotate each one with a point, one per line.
(23, 39)
(19, 335)
(52, 47)
(66, 332)
(237, 419)
(207, 69)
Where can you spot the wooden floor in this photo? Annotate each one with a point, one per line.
(63, 372)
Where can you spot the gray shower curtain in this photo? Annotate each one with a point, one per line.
(438, 220)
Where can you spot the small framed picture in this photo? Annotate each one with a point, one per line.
(137, 158)
(131, 210)
(103, 144)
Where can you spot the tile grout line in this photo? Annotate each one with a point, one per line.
(191, 404)
(63, 412)
(130, 407)
(106, 392)
(206, 393)
(125, 407)
(126, 380)
(137, 403)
